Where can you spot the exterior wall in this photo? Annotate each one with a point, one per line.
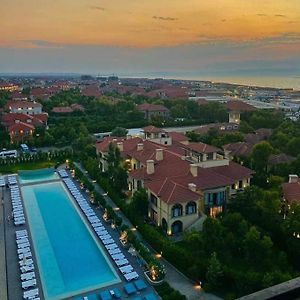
(234, 117)
(164, 211)
(214, 163)
(20, 136)
(27, 111)
(239, 186)
(163, 141)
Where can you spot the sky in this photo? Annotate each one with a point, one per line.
(132, 37)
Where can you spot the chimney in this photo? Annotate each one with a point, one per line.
(293, 178)
(150, 166)
(115, 140)
(120, 146)
(194, 169)
(140, 146)
(159, 154)
(192, 187)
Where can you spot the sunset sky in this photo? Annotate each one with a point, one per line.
(140, 36)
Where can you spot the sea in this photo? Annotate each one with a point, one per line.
(286, 82)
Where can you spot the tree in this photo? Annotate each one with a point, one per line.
(119, 131)
(140, 202)
(214, 273)
(260, 156)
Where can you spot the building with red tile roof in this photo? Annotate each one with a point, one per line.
(20, 132)
(291, 190)
(24, 107)
(153, 111)
(235, 108)
(184, 181)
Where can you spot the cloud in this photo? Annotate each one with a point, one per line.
(97, 8)
(280, 16)
(164, 18)
(261, 15)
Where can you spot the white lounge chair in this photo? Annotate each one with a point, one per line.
(28, 284)
(121, 262)
(126, 269)
(26, 262)
(31, 294)
(23, 250)
(111, 246)
(25, 255)
(21, 241)
(131, 276)
(26, 269)
(118, 256)
(27, 276)
(25, 245)
(108, 241)
(114, 251)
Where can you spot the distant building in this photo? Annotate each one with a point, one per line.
(235, 108)
(8, 87)
(291, 190)
(24, 107)
(68, 109)
(153, 110)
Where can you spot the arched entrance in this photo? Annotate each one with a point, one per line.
(177, 227)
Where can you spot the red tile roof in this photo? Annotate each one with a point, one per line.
(178, 137)
(20, 126)
(152, 129)
(22, 104)
(172, 192)
(237, 105)
(239, 149)
(291, 191)
(62, 109)
(152, 107)
(281, 158)
(201, 148)
(128, 144)
(36, 120)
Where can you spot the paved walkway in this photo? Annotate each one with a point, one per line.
(174, 277)
(3, 279)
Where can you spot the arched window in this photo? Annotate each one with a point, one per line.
(176, 227)
(191, 208)
(177, 210)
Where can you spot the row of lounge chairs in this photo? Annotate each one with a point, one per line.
(12, 180)
(18, 211)
(112, 248)
(63, 173)
(28, 278)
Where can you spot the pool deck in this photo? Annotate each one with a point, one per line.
(3, 279)
(13, 272)
(9, 268)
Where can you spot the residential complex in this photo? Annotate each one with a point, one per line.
(185, 181)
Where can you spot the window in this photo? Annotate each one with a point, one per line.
(177, 210)
(240, 184)
(210, 156)
(153, 199)
(190, 208)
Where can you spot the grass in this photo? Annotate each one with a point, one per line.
(14, 168)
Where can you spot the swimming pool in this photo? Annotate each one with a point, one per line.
(69, 257)
(34, 176)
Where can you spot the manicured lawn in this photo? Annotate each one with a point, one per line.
(14, 168)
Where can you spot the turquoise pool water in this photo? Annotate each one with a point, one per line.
(70, 259)
(34, 176)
